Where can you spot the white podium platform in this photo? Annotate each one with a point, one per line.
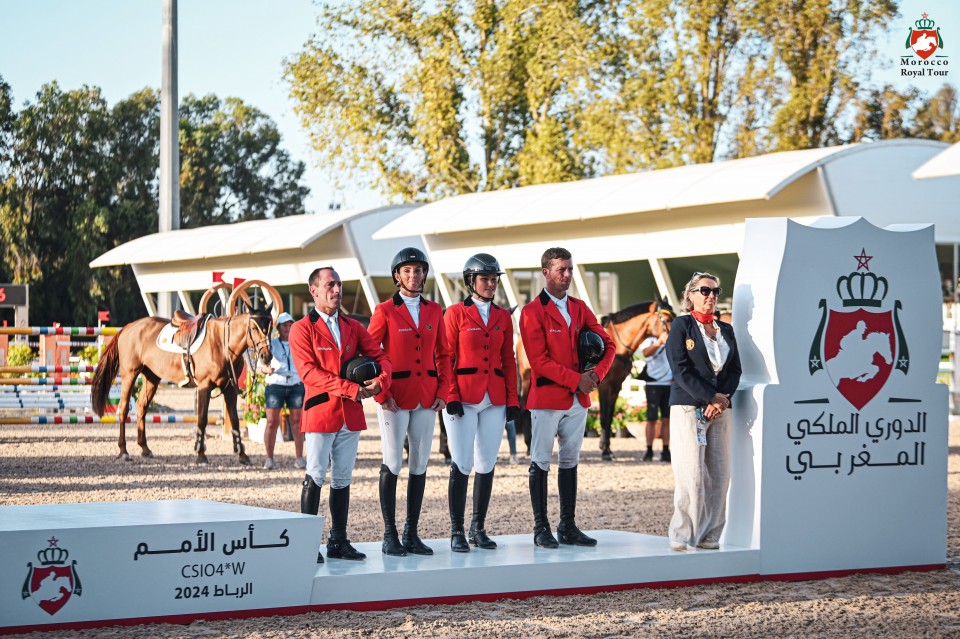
(76, 566)
(517, 569)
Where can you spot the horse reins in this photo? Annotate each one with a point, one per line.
(228, 354)
(630, 352)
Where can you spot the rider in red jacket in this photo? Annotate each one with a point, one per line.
(410, 328)
(321, 344)
(560, 388)
(482, 397)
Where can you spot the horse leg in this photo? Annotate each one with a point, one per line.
(149, 390)
(230, 402)
(526, 428)
(203, 405)
(607, 405)
(126, 386)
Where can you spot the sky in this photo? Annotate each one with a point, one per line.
(236, 48)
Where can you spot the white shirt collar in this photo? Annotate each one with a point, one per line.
(559, 301)
(326, 318)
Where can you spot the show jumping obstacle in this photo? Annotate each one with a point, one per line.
(45, 381)
(91, 331)
(23, 399)
(93, 419)
(48, 369)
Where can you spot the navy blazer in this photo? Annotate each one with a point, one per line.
(695, 383)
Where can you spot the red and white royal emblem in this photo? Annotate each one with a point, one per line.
(924, 39)
(859, 348)
(53, 582)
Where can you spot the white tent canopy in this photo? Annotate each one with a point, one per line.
(685, 211)
(281, 251)
(942, 165)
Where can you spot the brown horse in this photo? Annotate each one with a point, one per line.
(217, 363)
(628, 328)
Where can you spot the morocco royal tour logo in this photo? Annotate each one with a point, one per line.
(862, 345)
(923, 38)
(53, 582)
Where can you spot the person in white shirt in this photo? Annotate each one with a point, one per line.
(284, 388)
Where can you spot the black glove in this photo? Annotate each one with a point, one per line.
(455, 408)
(513, 413)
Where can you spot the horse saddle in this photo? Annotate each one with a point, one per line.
(187, 328)
(183, 336)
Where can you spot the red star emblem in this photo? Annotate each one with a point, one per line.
(863, 260)
(53, 542)
(923, 15)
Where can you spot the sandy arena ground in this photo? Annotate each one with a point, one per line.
(65, 464)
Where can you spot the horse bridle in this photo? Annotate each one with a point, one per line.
(630, 351)
(257, 345)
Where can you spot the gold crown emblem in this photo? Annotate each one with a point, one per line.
(53, 556)
(924, 23)
(862, 289)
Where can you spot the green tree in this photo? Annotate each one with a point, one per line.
(433, 99)
(819, 47)
(78, 178)
(885, 113)
(427, 99)
(938, 118)
(232, 167)
(57, 192)
(135, 145)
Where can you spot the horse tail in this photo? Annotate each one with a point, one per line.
(107, 371)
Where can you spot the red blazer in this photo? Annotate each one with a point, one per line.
(419, 355)
(481, 355)
(551, 347)
(329, 400)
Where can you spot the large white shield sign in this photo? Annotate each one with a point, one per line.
(840, 451)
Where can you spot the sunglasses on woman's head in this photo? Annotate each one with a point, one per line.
(706, 291)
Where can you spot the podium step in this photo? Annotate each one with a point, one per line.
(517, 569)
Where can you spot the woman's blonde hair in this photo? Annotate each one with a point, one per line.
(686, 303)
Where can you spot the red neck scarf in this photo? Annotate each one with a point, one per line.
(703, 318)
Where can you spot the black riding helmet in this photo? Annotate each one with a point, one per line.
(361, 369)
(590, 349)
(409, 255)
(480, 264)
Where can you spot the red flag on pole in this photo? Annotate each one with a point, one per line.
(237, 281)
(217, 277)
(103, 316)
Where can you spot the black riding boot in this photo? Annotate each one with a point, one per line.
(338, 546)
(411, 540)
(310, 503)
(457, 497)
(538, 498)
(567, 531)
(482, 488)
(388, 507)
